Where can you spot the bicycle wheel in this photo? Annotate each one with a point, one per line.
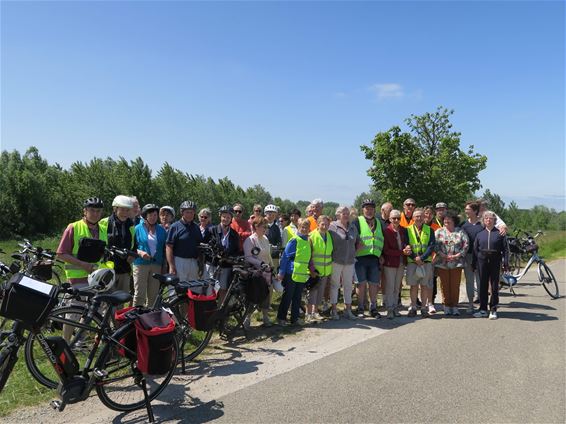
(8, 358)
(546, 277)
(514, 263)
(79, 340)
(121, 387)
(191, 342)
(236, 311)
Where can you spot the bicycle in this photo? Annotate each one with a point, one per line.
(528, 246)
(38, 263)
(110, 365)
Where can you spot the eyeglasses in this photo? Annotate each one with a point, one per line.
(203, 217)
(395, 219)
(410, 204)
(235, 211)
(257, 210)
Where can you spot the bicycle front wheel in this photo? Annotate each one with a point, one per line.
(79, 340)
(546, 277)
(121, 387)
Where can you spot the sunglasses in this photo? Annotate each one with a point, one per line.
(235, 211)
(203, 217)
(257, 210)
(395, 219)
(410, 204)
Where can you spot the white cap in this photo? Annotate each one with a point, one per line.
(122, 201)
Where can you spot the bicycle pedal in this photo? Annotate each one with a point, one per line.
(58, 405)
(100, 373)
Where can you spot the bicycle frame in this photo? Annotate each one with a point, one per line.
(534, 258)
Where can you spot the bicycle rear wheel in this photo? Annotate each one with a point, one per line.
(546, 277)
(8, 358)
(79, 340)
(121, 387)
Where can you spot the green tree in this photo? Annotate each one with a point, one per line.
(425, 162)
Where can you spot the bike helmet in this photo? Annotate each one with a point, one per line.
(93, 202)
(150, 207)
(122, 201)
(226, 209)
(368, 202)
(169, 209)
(102, 279)
(187, 204)
(508, 280)
(270, 208)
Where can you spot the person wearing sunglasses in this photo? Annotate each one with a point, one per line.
(409, 206)
(257, 213)
(240, 225)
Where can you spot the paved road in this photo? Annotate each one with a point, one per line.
(436, 370)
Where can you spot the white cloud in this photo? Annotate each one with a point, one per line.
(388, 91)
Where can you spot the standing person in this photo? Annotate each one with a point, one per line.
(182, 244)
(322, 247)
(344, 236)
(205, 222)
(316, 207)
(257, 209)
(386, 209)
(490, 248)
(290, 230)
(369, 246)
(240, 224)
(441, 209)
(273, 233)
(76, 257)
(500, 224)
(451, 247)
(294, 272)
(429, 214)
(224, 237)
(166, 216)
(471, 227)
(258, 239)
(150, 240)
(409, 206)
(395, 250)
(136, 211)
(121, 229)
(419, 267)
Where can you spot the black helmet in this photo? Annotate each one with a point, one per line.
(226, 209)
(150, 207)
(187, 204)
(93, 202)
(368, 202)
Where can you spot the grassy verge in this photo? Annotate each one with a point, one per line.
(552, 245)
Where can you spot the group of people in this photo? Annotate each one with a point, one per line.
(363, 253)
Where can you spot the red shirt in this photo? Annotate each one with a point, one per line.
(243, 228)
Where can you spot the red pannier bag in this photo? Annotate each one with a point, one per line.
(155, 339)
(201, 309)
(130, 339)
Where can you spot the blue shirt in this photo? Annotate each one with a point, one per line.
(141, 244)
(472, 231)
(184, 238)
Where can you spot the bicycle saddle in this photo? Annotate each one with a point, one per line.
(116, 298)
(167, 279)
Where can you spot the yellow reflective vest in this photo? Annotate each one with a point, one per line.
(301, 262)
(372, 241)
(322, 253)
(419, 242)
(80, 231)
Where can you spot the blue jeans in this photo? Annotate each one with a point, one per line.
(292, 294)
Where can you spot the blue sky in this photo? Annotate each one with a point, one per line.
(284, 93)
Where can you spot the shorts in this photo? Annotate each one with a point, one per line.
(367, 269)
(412, 279)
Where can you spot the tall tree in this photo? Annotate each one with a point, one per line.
(425, 162)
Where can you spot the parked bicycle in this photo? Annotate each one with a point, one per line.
(526, 245)
(38, 262)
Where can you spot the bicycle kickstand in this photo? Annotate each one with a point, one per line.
(147, 401)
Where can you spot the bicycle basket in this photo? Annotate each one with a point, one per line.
(257, 289)
(515, 246)
(28, 300)
(531, 247)
(42, 270)
(155, 342)
(202, 308)
(129, 340)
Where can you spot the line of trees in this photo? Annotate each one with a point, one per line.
(38, 198)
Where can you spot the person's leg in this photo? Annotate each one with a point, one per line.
(483, 269)
(387, 288)
(470, 276)
(347, 282)
(335, 278)
(192, 271)
(361, 287)
(288, 287)
(374, 287)
(443, 275)
(140, 285)
(455, 281)
(494, 269)
(152, 284)
(296, 301)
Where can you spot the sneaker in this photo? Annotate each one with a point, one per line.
(390, 314)
(334, 316)
(455, 311)
(360, 312)
(447, 310)
(282, 323)
(470, 309)
(350, 315)
(493, 315)
(309, 318)
(267, 322)
(412, 312)
(477, 300)
(317, 317)
(431, 309)
(396, 313)
(424, 313)
(419, 303)
(298, 323)
(375, 313)
(480, 314)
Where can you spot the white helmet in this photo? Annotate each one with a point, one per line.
(270, 208)
(122, 201)
(102, 279)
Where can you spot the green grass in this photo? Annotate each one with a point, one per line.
(552, 245)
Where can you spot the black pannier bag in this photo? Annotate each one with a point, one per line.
(129, 340)
(257, 289)
(28, 300)
(42, 270)
(155, 333)
(91, 250)
(201, 309)
(515, 245)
